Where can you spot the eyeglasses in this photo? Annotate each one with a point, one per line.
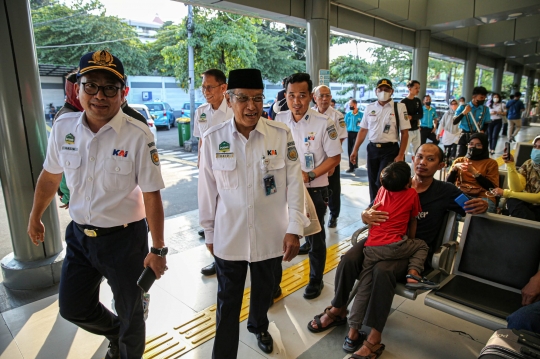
(209, 88)
(92, 89)
(244, 98)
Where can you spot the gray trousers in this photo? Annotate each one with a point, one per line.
(415, 250)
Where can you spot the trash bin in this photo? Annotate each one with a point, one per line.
(184, 133)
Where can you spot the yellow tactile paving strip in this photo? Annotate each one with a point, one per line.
(500, 160)
(202, 326)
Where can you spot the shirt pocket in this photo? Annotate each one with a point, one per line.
(276, 168)
(71, 162)
(225, 173)
(117, 174)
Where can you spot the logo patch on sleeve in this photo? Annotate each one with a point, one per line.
(332, 132)
(342, 123)
(152, 144)
(155, 157)
(292, 154)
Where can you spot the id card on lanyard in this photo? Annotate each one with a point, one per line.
(269, 182)
(308, 156)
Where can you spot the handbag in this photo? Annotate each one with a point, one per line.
(310, 212)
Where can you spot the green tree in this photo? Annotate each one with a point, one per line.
(219, 41)
(390, 63)
(349, 69)
(274, 56)
(164, 37)
(64, 33)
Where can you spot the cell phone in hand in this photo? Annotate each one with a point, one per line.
(506, 150)
(146, 279)
(461, 199)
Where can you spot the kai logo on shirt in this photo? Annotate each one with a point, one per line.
(119, 153)
(271, 152)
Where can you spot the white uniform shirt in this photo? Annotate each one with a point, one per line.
(314, 133)
(206, 117)
(339, 121)
(241, 221)
(376, 117)
(106, 172)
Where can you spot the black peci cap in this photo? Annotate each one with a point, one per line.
(101, 60)
(383, 82)
(245, 79)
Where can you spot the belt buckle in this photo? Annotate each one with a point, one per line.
(90, 232)
(378, 145)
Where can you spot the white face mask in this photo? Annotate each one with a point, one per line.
(495, 99)
(383, 96)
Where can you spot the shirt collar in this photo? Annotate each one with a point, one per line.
(391, 103)
(260, 127)
(115, 123)
(472, 105)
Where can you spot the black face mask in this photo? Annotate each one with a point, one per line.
(480, 103)
(474, 152)
(351, 107)
(428, 104)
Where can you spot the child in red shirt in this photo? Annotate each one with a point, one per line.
(391, 240)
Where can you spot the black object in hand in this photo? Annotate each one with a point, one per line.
(146, 279)
(506, 150)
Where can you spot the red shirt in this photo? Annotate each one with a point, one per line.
(401, 206)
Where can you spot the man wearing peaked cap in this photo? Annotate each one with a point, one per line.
(251, 206)
(111, 166)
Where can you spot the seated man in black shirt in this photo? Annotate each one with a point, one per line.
(436, 197)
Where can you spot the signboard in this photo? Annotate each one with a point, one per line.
(361, 91)
(147, 95)
(324, 77)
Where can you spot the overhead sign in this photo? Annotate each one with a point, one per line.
(146, 95)
(324, 77)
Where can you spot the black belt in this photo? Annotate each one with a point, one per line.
(315, 189)
(92, 231)
(429, 128)
(383, 145)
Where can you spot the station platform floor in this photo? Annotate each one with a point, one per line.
(36, 330)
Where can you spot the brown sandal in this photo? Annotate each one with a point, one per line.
(336, 321)
(376, 351)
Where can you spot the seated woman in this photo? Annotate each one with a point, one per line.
(524, 193)
(476, 173)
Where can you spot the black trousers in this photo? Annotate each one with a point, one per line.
(231, 276)
(351, 140)
(334, 193)
(494, 128)
(317, 241)
(377, 159)
(119, 257)
(427, 133)
(522, 209)
(385, 276)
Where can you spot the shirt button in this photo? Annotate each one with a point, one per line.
(67, 163)
(90, 179)
(250, 206)
(117, 169)
(88, 198)
(249, 165)
(94, 139)
(92, 159)
(87, 217)
(250, 226)
(249, 185)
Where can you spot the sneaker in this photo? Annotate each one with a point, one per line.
(350, 170)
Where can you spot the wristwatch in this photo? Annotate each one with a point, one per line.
(311, 175)
(162, 252)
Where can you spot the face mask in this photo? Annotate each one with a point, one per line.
(496, 99)
(428, 104)
(535, 156)
(351, 107)
(473, 152)
(480, 103)
(383, 96)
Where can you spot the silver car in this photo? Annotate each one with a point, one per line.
(146, 114)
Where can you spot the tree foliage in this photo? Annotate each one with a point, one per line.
(84, 22)
(390, 63)
(350, 69)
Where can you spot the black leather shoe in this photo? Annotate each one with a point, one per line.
(332, 222)
(277, 293)
(313, 289)
(265, 342)
(209, 269)
(114, 351)
(350, 170)
(201, 232)
(304, 249)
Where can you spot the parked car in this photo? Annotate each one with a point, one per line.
(186, 112)
(163, 114)
(440, 105)
(143, 109)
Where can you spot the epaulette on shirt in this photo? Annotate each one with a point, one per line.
(279, 125)
(216, 127)
(138, 124)
(68, 116)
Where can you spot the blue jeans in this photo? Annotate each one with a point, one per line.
(527, 318)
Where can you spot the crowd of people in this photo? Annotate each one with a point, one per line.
(256, 175)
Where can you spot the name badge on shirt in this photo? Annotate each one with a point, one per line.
(386, 129)
(225, 155)
(310, 161)
(269, 185)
